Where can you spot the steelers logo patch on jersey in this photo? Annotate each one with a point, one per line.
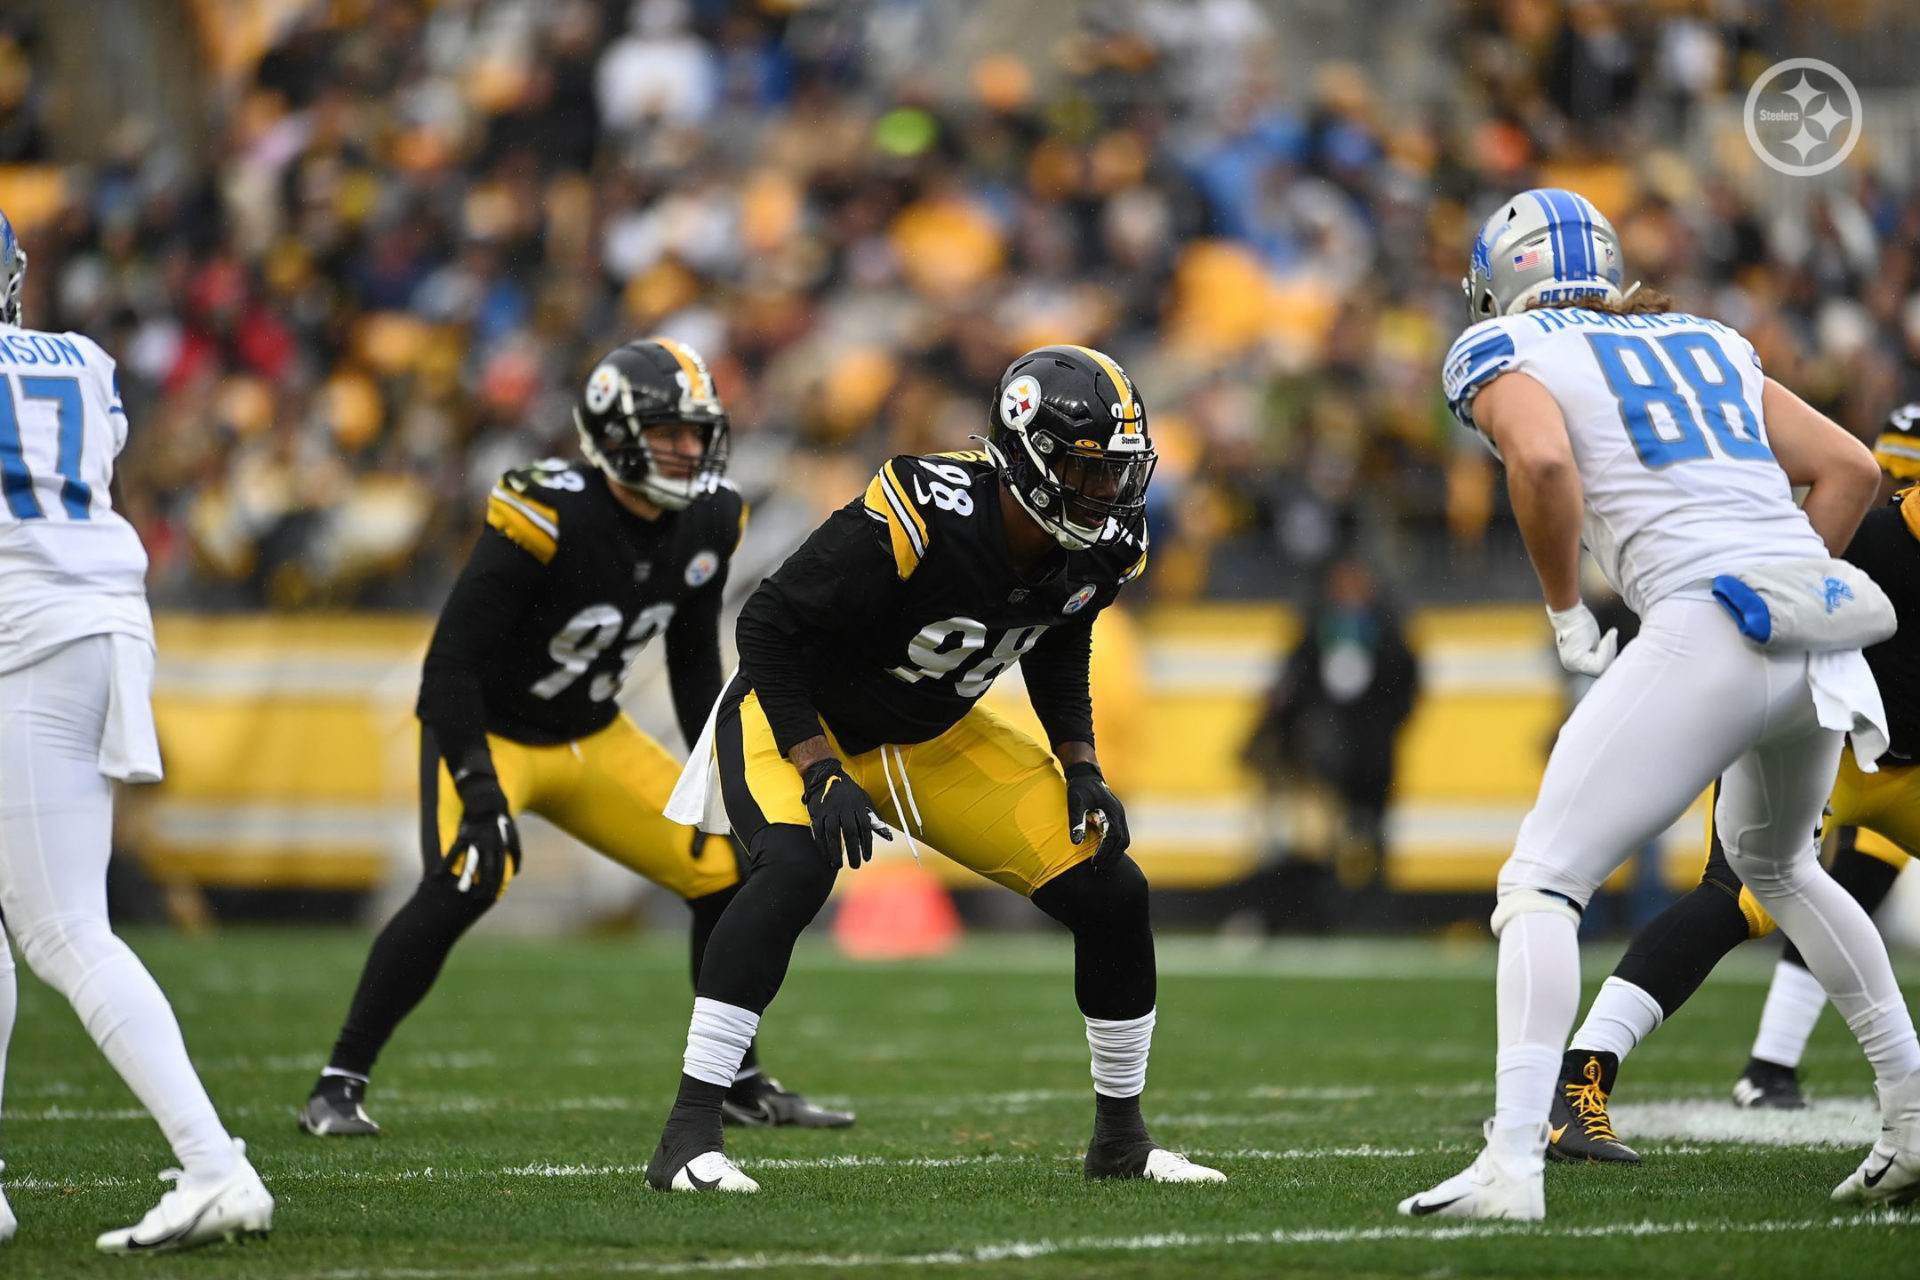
(1078, 600)
(702, 567)
(1020, 402)
(603, 384)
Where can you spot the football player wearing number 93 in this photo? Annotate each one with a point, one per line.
(855, 714)
(76, 714)
(1656, 439)
(577, 569)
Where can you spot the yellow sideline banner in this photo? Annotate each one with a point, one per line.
(290, 744)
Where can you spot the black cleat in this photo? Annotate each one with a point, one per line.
(336, 1109)
(1768, 1085)
(1578, 1129)
(759, 1102)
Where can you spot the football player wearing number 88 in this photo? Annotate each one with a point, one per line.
(1657, 440)
(855, 714)
(579, 567)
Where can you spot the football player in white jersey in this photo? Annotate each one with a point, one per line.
(1656, 440)
(76, 676)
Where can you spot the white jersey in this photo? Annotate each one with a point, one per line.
(1664, 413)
(70, 565)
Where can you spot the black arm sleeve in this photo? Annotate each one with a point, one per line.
(1056, 672)
(487, 600)
(821, 599)
(693, 657)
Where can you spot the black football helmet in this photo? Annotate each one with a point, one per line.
(1898, 448)
(1069, 437)
(648, 383)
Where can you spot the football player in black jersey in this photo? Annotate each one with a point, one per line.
(855, 714)
(578, 568)
(1878, 815)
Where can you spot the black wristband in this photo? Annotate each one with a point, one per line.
(1084, 769)
(479, 786)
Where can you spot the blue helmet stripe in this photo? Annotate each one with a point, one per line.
(1569, 211)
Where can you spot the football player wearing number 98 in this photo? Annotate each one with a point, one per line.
(577, 569)
(1656, 438)
(76, 714)
(855, 714)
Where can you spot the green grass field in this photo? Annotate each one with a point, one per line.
(1328, 1079)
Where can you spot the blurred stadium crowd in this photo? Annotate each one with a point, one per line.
(417, 222)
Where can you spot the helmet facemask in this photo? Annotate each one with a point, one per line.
(645, 463)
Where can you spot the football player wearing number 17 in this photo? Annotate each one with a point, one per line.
(856, 713)
(577, 569)
(76, 713)
(1656, 439)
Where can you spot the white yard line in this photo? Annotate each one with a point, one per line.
(1029, 1250)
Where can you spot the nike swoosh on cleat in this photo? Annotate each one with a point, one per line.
(1874, 1178)
(700, 1183)
(1553, 1135)
(135, 1242)
(1422, 1210)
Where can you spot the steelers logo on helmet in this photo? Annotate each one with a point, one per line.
(649, 418)
(603, 384)
(1069, 438)
(1020, 402)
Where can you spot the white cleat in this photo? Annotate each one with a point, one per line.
(9, 1224)
(191, 1214)
(712, 1172)
(1505, 1183)
(1171, 1166)
(1891, 1172)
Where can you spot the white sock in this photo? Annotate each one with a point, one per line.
(9, 1008)
(1120, 1054)
(344, 1075)
(1845, 952)
(1537, 995)
(1621, 1017)
(717, 1040)
(128, 1016)
(1794, 1002)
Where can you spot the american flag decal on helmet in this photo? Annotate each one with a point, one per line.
(1527, 259)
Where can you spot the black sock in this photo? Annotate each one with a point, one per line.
(706, 914)
(401, 968)
(1674, 953)
(1106, 908)
(1118, 1120)
(750, 945)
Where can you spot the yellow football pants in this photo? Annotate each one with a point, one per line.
(987, 795)
(606, 790)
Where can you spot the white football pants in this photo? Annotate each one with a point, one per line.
(56, 832)
(1688, 701)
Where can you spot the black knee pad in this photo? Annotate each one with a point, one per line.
(1112, 895)
(788, 856)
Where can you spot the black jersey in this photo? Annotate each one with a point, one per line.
(1887, 546)
(896, 615)
(563, 590)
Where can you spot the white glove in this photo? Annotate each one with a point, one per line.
(1576, 634)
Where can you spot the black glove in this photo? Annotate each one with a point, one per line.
(1087, 793)
(486, 850)
(844, 820)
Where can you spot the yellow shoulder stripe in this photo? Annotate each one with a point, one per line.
(532, 526)
(1139, 567)
(1910, 512)
(965, 455)
(908, 531)
(742, 535)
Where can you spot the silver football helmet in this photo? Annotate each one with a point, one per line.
(1544, 245)
(13, 272)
